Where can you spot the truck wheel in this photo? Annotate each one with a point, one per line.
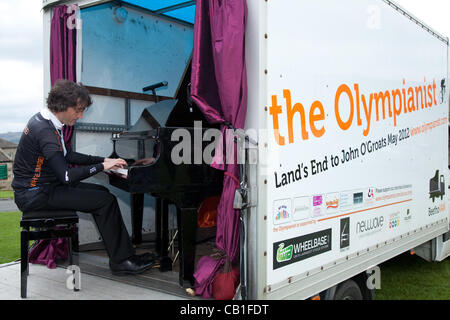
(349, 290)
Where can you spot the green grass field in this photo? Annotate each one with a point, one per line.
(409, 277)
(6, 194)
(9, 236)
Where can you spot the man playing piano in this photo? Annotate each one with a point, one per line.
(44, 180)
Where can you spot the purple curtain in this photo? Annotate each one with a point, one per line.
(219, 88)
(63, 37)
(48, 252)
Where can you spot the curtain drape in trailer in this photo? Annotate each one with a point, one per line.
(219, 88)
(63, 35)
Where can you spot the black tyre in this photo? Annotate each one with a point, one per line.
(349, 290)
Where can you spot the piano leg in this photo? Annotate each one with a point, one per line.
(187, 230)
(137, 211)
(158, 214)
(162, 232)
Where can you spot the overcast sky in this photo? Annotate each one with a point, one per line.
(21, 83)
(434, 13)
(21, 80)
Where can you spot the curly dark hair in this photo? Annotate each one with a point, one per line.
(66, 93)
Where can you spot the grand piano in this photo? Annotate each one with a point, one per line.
(184, 185)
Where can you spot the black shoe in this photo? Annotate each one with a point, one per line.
(133, 265)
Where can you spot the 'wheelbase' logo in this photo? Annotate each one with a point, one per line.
(284, 254)
(300, 248)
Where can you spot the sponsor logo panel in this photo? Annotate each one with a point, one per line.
(332, 203)
(318, 206)
(282, 211)
(345, 233)
(300, 248)
(302, 208)
(346, 200)
(394, 220)
(437, 186)
(436, 209)
(369, 225)
(408, 216)
(358, 199)
(350, 200)
(369, 197)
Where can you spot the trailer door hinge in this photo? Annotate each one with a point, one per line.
(238, 199)
(245, 198)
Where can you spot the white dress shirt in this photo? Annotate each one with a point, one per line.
(48, 115)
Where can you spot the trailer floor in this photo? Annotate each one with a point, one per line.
(97, 282)
(96, 263)
(50, 284)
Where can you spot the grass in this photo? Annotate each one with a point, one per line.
(408, 277)
(9, 236)
(6, 194)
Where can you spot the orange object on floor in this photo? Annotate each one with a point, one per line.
(207, 214)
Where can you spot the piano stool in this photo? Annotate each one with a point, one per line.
(46, 224)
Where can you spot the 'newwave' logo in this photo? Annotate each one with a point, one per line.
(284, 254)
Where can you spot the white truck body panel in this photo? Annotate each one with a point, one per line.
(328, 61)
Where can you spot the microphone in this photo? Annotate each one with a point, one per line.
(155, 86)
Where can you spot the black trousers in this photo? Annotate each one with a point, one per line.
(97, 200)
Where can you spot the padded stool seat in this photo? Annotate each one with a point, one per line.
(38, 219)
(49, 214)
(50, 224)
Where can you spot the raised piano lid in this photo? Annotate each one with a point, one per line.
(154, 116)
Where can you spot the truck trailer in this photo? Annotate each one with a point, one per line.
(345, 143)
